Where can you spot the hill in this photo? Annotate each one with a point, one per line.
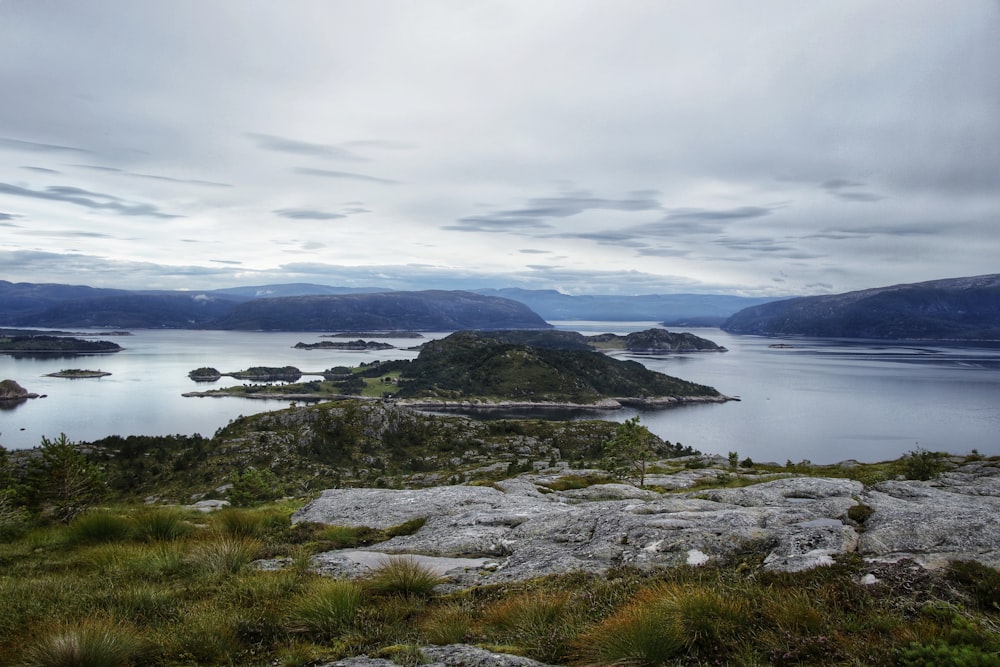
(952, 309)
(466, 365)
(32, 305)
(433, 310)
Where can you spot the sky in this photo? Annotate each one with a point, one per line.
(770, 148)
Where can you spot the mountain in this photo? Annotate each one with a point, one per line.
(671, 309)
(290, 289)
(174, 310)
(432, 310)
(952, 309)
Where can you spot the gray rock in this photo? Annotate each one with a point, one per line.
(452, 655)
(516, 532)
(463, 655)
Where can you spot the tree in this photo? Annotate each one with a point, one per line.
(64, 481)
(254, 486)
(631, 449)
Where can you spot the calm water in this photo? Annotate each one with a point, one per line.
(821, 400)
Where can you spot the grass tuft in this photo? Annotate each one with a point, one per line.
(99, 526)
(327, 608)
(225, 554)
(158, 524)
(88, 644)
(403, 575)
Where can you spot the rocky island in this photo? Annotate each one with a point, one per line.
(10, 390)
(73, 373)
(358, 345)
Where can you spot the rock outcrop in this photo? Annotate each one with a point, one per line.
(12, 391)
(453, 655)
(519, 529)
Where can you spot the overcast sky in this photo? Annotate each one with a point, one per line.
(758, 148)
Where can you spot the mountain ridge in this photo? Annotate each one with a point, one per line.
(966, 308)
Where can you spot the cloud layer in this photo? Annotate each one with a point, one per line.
(771, 148)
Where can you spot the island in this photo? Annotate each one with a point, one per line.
(44, 344)
(354, 345)
(487, 370)
(74, 373)
(374, 334)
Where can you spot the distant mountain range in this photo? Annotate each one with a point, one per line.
(953, 309)
(308, 307)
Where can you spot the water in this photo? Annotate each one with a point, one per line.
(821, 400)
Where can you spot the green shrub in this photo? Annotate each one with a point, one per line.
(161, 524)
(342, 537)
(327, 608)
(859, 513)
(921, 464)
(982, 582)
(403, 575)
(406, 528)
(94, 527)
(255, 486)
(249, 523)
(941, 654)
(87, 644)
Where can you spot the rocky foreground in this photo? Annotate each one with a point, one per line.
(518, 529)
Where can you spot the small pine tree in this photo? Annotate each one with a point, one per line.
(63, 482)
(631, 449)
(253, 487)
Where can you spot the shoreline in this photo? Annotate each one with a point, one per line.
(474, 404)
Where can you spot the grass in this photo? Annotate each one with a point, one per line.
(192, 597)
(93, 643)
(403, 575)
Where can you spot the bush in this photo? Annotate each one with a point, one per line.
(403, 575)
(922, 464)
(161, 524)
(982, 582)
(253, 487)
(940, 654)
(99, 526)
(249, 523)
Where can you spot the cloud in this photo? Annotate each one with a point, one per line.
(7, 216)
(307, 214)
(533, 251)
(386, 144)
(42, 170)
(87, 199)
(739, 213)
(66, 234)
(845, 190)
(327, 173)
(536, 212)
(271, 142)
(36, 147)
(225, 261)
(152, 177)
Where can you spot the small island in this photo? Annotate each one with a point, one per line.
(374, 334)
(74, 373)
(354, 345)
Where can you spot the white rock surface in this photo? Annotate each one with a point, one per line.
(516, 531)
